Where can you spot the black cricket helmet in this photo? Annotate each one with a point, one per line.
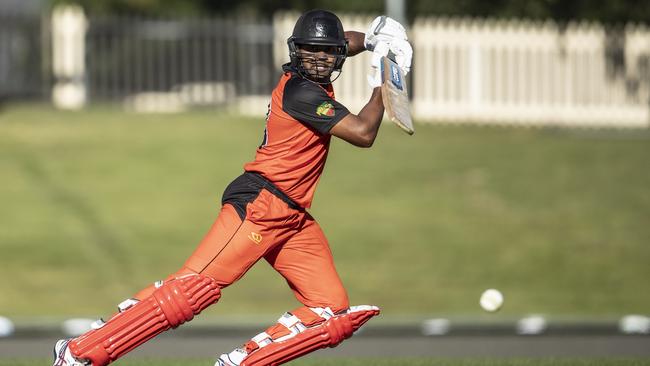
(317, 30)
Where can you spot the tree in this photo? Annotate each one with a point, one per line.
(605, 11)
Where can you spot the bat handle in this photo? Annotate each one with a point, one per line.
(391, 56)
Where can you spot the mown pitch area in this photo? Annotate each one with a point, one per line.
(383, 362)
(98, 204)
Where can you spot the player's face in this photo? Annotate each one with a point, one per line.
(317, 61)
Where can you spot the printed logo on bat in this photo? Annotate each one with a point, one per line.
(395, 77)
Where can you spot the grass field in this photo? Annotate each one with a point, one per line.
(97, 204)
(385, 362)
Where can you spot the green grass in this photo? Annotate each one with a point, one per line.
(385, 362)
(94, 205)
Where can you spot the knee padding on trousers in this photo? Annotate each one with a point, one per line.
(172, 304)
(327, 334)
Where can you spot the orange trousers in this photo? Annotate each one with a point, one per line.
(289, 239)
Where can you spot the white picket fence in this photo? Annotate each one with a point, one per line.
(528, 73)
(464, 71)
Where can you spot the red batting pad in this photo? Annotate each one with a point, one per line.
(329, 334)
(170, 305)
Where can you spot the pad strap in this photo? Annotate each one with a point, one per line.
(262, 339)
(292, 323)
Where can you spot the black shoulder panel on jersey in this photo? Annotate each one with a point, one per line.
(309, 103)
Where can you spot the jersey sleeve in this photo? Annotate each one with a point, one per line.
(309, 104)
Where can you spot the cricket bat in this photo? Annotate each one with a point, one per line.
(395, 95)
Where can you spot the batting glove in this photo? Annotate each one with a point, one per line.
(383, 29)
(403, 54)
(374, 76)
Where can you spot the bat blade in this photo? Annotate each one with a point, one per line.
(394, 93)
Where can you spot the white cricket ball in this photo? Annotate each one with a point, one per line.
(7, 328)
(491, 300)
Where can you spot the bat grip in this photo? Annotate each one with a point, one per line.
(391, 56)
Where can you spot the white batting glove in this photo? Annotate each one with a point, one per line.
(383, 29)
(374, 76)
(403, 54)
(387, 37)
(399, 51)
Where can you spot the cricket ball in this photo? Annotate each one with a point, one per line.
(491, 300)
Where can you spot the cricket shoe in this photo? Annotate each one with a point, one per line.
(63, 357)
(233, 358)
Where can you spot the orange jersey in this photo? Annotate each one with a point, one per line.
(296, 139)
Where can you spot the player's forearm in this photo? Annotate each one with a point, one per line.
(361, 129)
(355, 42)
(371, 115)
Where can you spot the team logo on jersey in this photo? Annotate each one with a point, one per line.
(325, 109)
(255, 237)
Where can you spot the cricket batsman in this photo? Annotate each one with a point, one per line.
(264, 213)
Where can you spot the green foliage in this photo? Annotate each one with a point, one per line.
(209, 7)
(137, 7)
(102, 202)
(606, 11)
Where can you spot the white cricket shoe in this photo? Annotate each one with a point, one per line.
(63, 357)
(233, 358)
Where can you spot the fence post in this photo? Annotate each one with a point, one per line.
(69, 27)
